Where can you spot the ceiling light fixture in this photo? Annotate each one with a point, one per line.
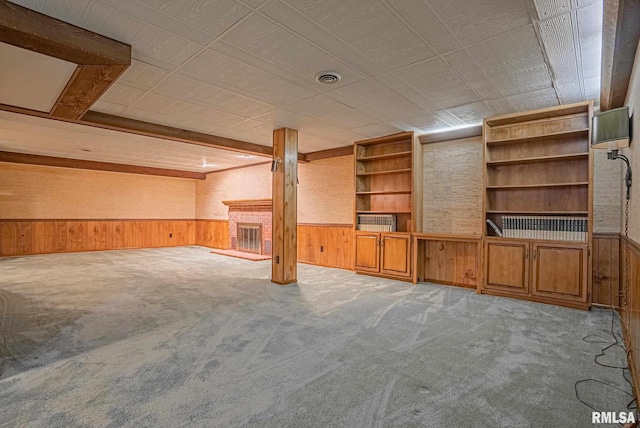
(328, 77)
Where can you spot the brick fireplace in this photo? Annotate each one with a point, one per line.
(255, 212)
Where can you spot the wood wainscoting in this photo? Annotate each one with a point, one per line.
(212, 233)
(605, 272)
(631, 307)
(24, 237)
(328, 245)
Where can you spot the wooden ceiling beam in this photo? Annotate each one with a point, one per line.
(29, 159)
(100, 60)
(620, 34)
(329, 153)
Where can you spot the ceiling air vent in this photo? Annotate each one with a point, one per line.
(328, 77)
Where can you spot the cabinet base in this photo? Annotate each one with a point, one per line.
(556, 302)
(381, 275)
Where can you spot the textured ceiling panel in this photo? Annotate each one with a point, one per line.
(473, 21)
(435, 80)
(514, 61)
(569, 93)
(425, 122)
(472, 73)
(189, 90)
(122, 94)
(537, 99)
(557, 36)
(376, 130)
(426, 24)
(334, 112)
(142, 76)
(473, 113)
(590, 38)
(549, 8)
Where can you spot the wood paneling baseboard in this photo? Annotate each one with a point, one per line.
(631, 310)
(212, 233)
(24, 237)
(328, 245)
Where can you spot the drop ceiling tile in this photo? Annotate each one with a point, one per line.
(420, 17)
(216, 69)
(286, 50)
(514, 61)
(189, 90)
(590, 38)
(310, 143)
(303, 25)
(592, 89)
(472, 73)
(534, 100)
(212, 17)
(473, 113)
(435, 80)
(66, 10)
(557, 37)
(449, 118)
(142, 76)
(255, 127)
(569, 93)
(371, 94)
(122, 94)
(472, 22)
(149, 44)
(549, 8)
(107, 107)
(376, 130)
(501, 105)
(333, 112)
(394, 82)
(426, 122)
(282, 118)
(37, 5)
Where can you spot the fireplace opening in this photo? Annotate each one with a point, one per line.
(249, 238)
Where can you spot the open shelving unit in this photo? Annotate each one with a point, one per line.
(538, 176)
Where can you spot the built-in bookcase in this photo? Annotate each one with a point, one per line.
(384, 180)
(538, 165)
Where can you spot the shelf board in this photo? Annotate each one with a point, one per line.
(386, 192)
(537, 212)
(385, 156)
(392, 171)
(539, 159)
(384, 212)
(551, 136)
(540, 186)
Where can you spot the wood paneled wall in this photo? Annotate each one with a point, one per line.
(212, 233)
(631, 311)
(326, 245)
(60, 236)
(605, 262)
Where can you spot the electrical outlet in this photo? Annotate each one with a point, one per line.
(277, 259)
(171, 235)
(321, 248)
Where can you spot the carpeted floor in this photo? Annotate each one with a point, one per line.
(181, 337)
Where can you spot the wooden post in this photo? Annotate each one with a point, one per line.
(285, 207)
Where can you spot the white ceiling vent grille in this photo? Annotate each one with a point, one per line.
(328, 77)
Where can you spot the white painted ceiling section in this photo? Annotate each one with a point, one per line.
(33, 135)
(31, 80)
(242, 68)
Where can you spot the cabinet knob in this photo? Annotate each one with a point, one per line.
(526, 254)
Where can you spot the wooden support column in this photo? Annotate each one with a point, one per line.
(285, 207)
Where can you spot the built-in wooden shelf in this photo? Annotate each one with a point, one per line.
(537, 212)
(385, 192)
(583, 132)
(391, 171)
(385, 156)
(539, 186)
(539, 159)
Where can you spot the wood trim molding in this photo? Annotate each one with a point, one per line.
(29, 159)
(329, 153)
(345, 225)
(620, 33)
(100, 60)
(454, 134)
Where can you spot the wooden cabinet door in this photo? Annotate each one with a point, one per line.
(367, 256)
(507, 266)
(559, 271)
(396, 255)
